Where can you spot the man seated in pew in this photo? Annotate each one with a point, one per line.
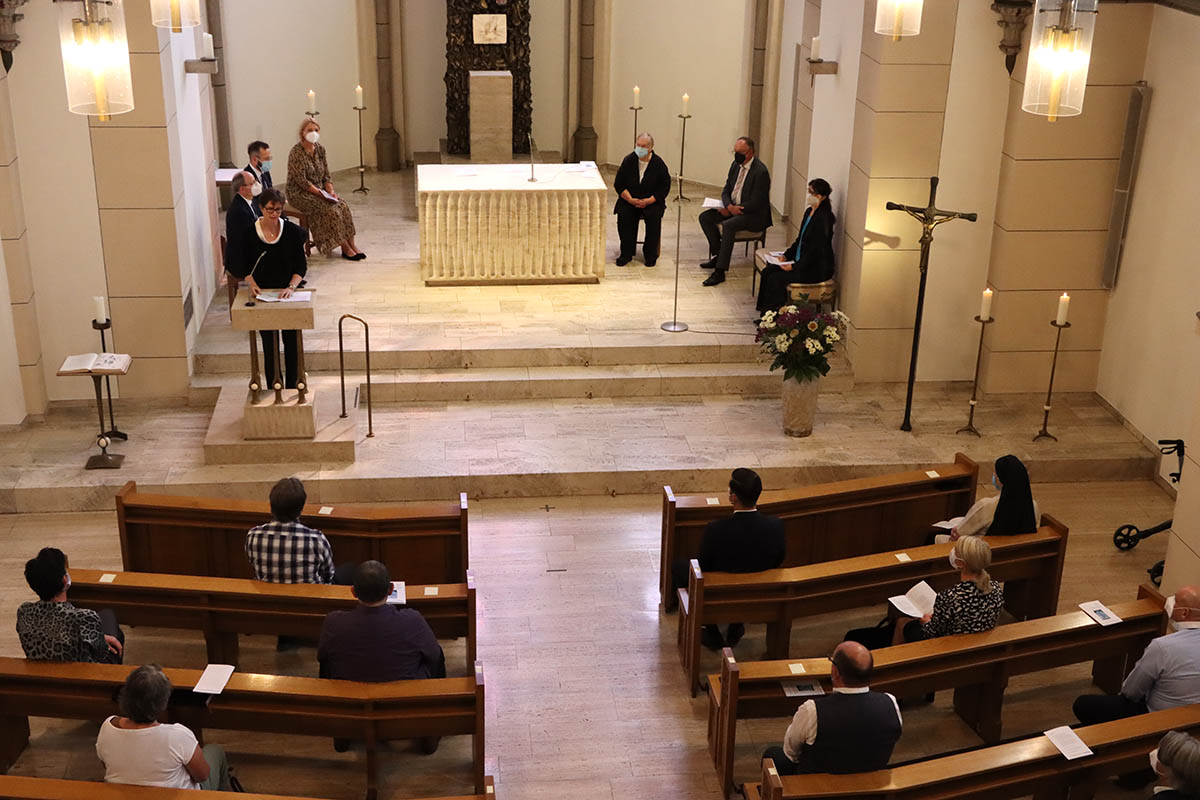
(136, 748)
(1167, 674)
(1009, 513)
(970, 606)
(286, 551)
(1176, 762)
(51, 629)
(745, 541)
(851, 730)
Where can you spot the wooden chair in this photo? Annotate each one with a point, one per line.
(829, 521)
(759, 238)
(16, 787)
(976, 666)
(301, 220)
(223, 608)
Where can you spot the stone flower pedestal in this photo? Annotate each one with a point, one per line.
(799, 406)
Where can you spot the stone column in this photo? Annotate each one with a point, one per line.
(802, 120)
(769, 106)
(387, 140)
(1052, 213)
(14, 249)
(220, 88)
(1183, 547)
(585, 138)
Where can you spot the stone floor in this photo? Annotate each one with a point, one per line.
(585, 697)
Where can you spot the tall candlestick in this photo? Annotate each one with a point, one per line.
(312, 102)
(209, 52)
(985, 306)
(358, 97)
(1064, 303)
(685, 103)
(101, 312)
(637, 96)
(816, 49)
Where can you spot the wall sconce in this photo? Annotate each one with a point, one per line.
(95, 53)
(175, 14)
(1059, 52)
(898, 18)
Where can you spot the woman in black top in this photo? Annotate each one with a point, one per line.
(810, 258)
(276, 261)
(52, 629)
(1176, 761)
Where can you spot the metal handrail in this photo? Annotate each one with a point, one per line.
(342, 367)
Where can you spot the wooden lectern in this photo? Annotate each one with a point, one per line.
(273, 412)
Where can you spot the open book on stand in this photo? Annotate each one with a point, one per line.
(96, 363)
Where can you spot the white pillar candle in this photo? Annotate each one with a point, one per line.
(312, 102)
(101, 312)
(209, 52)
(637, 96)
(685, 103)
(985, 305)
(816, 49)
(1064, 302)
(358, 96)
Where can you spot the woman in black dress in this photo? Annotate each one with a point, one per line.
(810, 258)
(276, 261)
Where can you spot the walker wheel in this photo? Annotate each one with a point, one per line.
(1126, 537)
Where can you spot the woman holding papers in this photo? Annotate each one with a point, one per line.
(310, 190)
(810, 258)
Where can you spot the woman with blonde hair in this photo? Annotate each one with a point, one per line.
(310, 190)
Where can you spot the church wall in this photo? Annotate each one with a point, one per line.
(793, 120)
(549, 40)
(424, 58)
(12, 396)
(275, 51)
(669, 47)
(1150, 362)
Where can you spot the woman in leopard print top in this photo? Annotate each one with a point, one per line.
(52, 629)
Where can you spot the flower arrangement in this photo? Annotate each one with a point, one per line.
(800, 338)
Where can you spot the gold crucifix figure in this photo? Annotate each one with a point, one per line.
(930, 217)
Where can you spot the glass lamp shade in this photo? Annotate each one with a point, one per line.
(898, 18)
(175, 14)
(1060, 49)
(95, 55)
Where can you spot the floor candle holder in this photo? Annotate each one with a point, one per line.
(673, 325)
(635, 110)
(1044, 433)
(682, 145)
(970, 426)
(362, 167)
(112, 432)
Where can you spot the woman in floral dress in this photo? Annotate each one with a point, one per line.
(329, 221)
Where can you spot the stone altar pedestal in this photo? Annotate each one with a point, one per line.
(491, 114)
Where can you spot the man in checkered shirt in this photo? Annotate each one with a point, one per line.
(283, 550)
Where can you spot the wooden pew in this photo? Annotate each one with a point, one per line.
(423, 544)
(829, 521)
(976, 666)
(1030, 766)
(372, 712)
(1029, 564)
(224, 607)
(15, 787)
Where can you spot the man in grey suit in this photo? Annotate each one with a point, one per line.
(746, 206)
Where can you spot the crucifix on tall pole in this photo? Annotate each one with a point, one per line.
(930, 217)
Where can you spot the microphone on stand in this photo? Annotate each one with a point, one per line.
(532, 179)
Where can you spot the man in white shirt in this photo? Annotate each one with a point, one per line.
(745, 206)
(239, 220)
(851, 730)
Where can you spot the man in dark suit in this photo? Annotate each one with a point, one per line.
(745, 206)
(745, 541)
(260, 163)
(239, 222)
(642, 185)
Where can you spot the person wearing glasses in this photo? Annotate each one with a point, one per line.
(275, 261)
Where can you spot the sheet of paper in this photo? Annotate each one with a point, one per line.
(903, 557)
(273, 297)
(797, 669)
(777, 253)
(932, 473)
(1068, 742)
(773, 260)
(79, 363)
(108, 577)
(712, 202)
(326, 510)
(949, 524)
(214, 679)
(713, 501)
(1100, 612)
(328, 196)
(916, 602)
(588, 164)
(431, 591)
(399, 596)
(802, 689)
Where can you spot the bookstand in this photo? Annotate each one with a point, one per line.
(112, 432)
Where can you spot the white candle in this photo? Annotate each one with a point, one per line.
(637, 96)
(685, 103)
(985, 305)
(1063, 303)
(312, 102)
(358, 96)
(101, 312)
(816, 48)
(209, 52)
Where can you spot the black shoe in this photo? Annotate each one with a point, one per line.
(710, 264)
(623, 260)
(734, 634)
(341, 745)
(710, 637)
(429, 744)
(1135, 780)
(359, 256)
(715, 278)
(349, 258)
(651, 262)
(285, 643)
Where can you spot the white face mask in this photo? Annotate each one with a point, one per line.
(312, 137)
(957, 564)
(811, 199)
(256, 189)
(1154, 762)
